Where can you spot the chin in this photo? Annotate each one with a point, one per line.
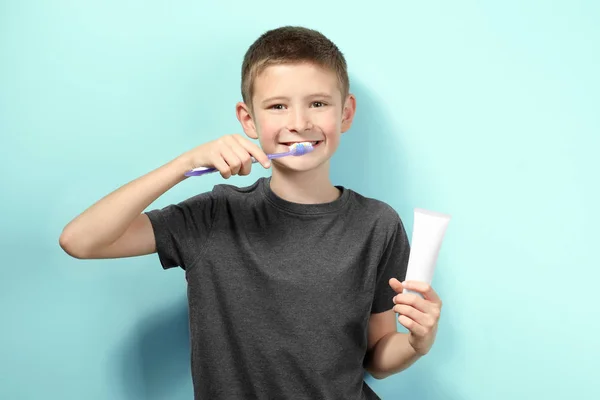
(298, 164)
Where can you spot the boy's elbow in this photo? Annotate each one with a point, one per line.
(377, 374)
(70, 245)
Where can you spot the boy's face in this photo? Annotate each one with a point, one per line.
(297, 103)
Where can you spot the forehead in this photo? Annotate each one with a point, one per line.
(295, 80)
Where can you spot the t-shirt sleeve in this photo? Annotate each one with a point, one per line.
(393, 264)
(181, 230)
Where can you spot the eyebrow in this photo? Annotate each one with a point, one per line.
(280, 98)
(272, 99)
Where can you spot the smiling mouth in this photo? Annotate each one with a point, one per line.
(314, 142)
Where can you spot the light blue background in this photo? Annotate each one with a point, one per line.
(488, 111)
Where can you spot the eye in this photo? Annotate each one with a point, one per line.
(277, 107)
(318, 104)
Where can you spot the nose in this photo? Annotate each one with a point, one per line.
(299, 121)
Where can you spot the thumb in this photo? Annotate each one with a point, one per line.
(396, 285)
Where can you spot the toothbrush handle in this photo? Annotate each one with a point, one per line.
(209, 170)
(200, 171)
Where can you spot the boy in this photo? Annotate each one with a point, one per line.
(292, 282)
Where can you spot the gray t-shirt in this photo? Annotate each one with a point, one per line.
(280, 293)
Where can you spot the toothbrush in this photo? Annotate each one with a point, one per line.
(296, 149)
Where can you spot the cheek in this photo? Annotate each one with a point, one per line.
(267, 128)
(330, 124)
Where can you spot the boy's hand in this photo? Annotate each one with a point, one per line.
(230, 154)
(419, 315)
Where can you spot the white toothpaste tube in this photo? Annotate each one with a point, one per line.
(428, 233)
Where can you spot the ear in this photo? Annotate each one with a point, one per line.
(348, 112)
(244, 115)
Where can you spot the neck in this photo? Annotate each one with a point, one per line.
(306, 187)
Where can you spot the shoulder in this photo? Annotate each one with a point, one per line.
(228, 193)
(224, 192)
(377, 211)
(231, 190)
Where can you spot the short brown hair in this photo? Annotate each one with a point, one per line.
(292, 44)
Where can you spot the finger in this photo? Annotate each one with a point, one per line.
(231, 159)
(255, 151)
(245, 160)
(424, 288)
(219, 160)
(222, 167)
(421, 318)
(415, 328)
(427, 307)
(412, 300)
(396, 285)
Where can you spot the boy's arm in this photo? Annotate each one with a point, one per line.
(115, 226)
(389, 351)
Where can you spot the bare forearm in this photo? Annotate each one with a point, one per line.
(106, 220)
(392, 354)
